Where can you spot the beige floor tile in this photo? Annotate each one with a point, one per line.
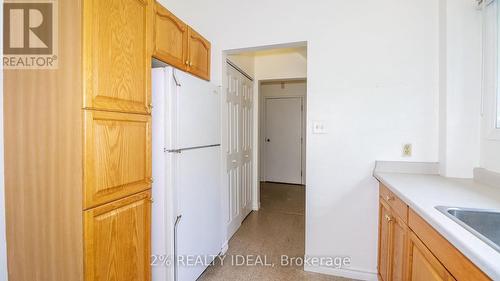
(278, 228)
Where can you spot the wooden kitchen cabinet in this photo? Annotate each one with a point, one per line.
(117, 43)
(399, 249)
(393, 235)
(179, 45)
(78, 149)
(198, 55)
(410, 249)
(117, 156)
(422, 265)
(170, 38)
(384, 251)
(117, 240)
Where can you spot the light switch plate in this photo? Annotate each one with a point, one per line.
(319, 127)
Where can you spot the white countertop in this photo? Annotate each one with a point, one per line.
(423, 192)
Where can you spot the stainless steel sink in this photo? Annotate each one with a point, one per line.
(485, 224)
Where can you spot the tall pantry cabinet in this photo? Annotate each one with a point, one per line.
(78, 149)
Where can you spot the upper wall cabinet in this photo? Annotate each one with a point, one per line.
(117, 55)
(199, 55)
(170, 38)
(179, 45)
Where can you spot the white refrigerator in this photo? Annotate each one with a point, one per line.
(186, 211)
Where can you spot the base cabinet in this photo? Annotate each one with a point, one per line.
(392, 244)
(422, 265)
(117, 240)
(411, 250)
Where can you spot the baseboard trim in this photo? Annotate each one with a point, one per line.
(343, 272)
(256, 207)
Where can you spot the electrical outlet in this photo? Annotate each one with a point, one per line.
(407, 150)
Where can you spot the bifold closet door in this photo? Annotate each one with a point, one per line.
(239, 106)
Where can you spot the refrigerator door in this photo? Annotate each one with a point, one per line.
(197, 112)
(200, 229)
(164, 209)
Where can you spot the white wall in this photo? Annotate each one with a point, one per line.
(460, 91)
(372, 77)
(490, 141)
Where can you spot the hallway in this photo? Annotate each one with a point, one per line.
(278, 228)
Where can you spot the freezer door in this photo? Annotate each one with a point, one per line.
(199, 233)
(198, 112)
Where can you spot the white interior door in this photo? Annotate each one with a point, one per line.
(239, 113)
(283, 140)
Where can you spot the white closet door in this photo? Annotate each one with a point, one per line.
(247, 144)
(239, 106)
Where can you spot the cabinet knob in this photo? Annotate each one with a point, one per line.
(190, 63)
(187, 62)
(388, 218)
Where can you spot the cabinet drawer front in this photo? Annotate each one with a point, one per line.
(117, 157)
(397, 205)
(117, 54)
(117, 240)
(170, 38)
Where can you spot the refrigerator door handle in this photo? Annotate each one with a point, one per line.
(191, 148)
(177, 220)
(175, 79)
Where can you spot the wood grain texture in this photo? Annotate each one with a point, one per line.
(170, 38)
(117, 156)
(117, 55)
(117, 240)
(384, 241)
(399, 249)
(422, 265)
(455, 262)
(43, 167)
(397, 205)
(199, 52)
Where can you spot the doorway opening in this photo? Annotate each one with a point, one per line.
(264, 102)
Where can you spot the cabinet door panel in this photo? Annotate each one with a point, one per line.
(384, 251)
(423, 266)
(117, 54)
(399, 249)
(117, 240)
(170, 38)
(199, 55)
(117, 157)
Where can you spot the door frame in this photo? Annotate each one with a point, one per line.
(263, 127)
(261, 130)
